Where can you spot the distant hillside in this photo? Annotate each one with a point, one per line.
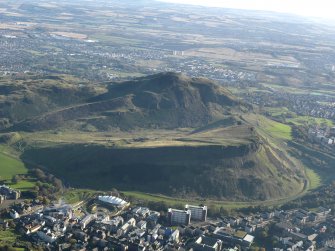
(166, 100)
(30, 96)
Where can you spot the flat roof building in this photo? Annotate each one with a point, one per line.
(198, 213)
(176, 216)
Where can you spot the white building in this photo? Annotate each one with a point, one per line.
(126, 227)
(87, 219)
(176, 216)
(115, 201)
(198, 213)
(14, 214)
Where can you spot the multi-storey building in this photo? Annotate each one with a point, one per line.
(198, 213)
(176, 216)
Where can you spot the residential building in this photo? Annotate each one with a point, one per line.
(204, 243)
(176, 216)
(198, 213)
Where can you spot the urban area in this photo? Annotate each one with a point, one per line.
(108, 222)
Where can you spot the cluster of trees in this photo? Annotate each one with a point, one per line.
(26, 245)
(7, 248)
(46, 186)
(325, 197)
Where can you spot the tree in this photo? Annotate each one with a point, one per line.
(40, 175)
(16, 179)
(7, 248)
(45, 201)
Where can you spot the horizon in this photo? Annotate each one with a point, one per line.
(315, 9)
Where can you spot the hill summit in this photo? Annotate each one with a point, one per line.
(165, 100)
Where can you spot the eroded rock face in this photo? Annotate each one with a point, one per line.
(223, 172)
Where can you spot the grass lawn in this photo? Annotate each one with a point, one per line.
(270, 127)
(23, 185)
(73, 196)
(278, 111)
(10, 166)
(306, 120)
(229, 205)
(314, 179)
(277, 130)
(155, 198)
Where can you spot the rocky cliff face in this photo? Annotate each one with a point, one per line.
(242, 172)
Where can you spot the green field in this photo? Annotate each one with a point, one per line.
(10, 166)
(277, 130)
(314, 179)
(23, 185)
(306, 120)
(268, 127)
(170, 201)
(228, 205)
(73, 196)
(278, 111)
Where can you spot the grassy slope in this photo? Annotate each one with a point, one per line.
(314, 179)
(283, 131)
(306, 120)
(270, 128)
(276, 130)
(11, 166)
(73, 196)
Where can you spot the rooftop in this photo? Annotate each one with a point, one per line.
(112, 200)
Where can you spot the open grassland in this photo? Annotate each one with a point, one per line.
(315, 180)
(307, 120)
(278, 111)
(270, 127)
(228, 205)
(73, 196)
(276, 129)
(170, 201)
(23, 185)
(232, 136)
(70, 35)
(11, 166)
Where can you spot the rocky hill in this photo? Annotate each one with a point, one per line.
(167, 133)
(166, 100)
